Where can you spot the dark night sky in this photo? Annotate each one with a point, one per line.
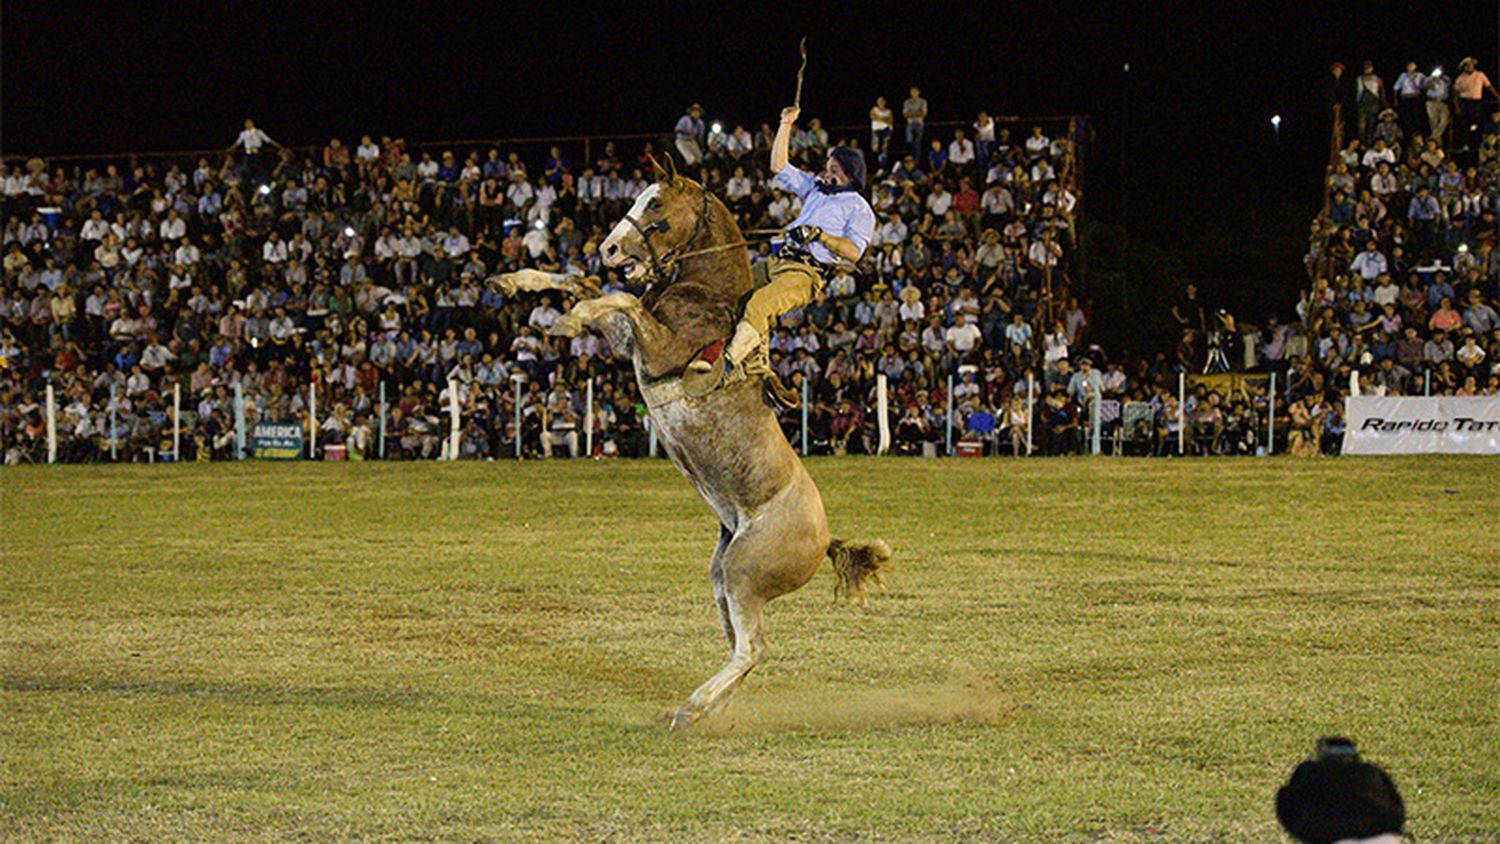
(1187, 130)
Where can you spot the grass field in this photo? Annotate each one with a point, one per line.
(1068, 650)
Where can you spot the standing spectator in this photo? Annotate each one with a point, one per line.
(915, 112)
(882, 120)
(984, 139)
(1469, 89)
(1369, 97)
(1338, 94)
(1438, 113)
(252, 140)
(1411, 94)
(690, 135)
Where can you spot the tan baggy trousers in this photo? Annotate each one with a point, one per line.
(789, 285)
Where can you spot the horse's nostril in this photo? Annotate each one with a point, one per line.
(611, 249)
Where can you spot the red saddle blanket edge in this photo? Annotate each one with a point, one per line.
(712, 351)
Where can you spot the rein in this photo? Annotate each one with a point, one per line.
(664, 267)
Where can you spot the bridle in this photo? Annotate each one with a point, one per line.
(664, 267)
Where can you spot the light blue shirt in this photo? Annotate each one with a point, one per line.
(845, 214)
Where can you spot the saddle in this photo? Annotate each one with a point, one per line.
(696, 385)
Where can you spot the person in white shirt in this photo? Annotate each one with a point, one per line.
(939, 200)
(739, 144)
(893, 231)
(1038, 144)
(962, 336)
(187, 253)
(274, 250)
(961, 151)
(544, 316)
(94, 228)
(173, 227)
(739, 186)
(456, 244)
(537, 242)
(251, 139)
(520, 193)
(997, 201)
(367, 151)
(1370, 264)
(1378, 153)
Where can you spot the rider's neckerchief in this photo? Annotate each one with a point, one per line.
(825, 187)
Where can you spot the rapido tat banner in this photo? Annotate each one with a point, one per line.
(1417, 425)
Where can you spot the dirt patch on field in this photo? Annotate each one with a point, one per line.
(967, 696)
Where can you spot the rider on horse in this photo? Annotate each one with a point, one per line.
(835, 225)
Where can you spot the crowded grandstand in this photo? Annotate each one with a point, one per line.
(170, 303)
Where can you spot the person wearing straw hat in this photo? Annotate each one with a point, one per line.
(1469, 89)
(1388, 130)
(690, 134)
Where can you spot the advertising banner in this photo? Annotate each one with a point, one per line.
(1422, 425)
(276, 440)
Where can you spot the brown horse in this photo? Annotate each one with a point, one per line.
(772, 530)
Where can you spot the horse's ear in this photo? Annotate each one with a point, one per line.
(672, 166)
(659, 172)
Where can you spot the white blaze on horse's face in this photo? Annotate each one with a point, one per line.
(624, 244)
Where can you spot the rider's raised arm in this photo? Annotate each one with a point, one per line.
(783, 139)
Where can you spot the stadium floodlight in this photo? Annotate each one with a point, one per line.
(348, 231)
(1276, 121)
(541, 225)
(265, 189)
(1437, 71)
(717, 128)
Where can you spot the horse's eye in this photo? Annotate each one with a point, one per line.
(654, 204)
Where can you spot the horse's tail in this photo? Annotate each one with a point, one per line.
(856, 564)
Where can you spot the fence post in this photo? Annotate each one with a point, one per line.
(588, 416)
(1271, 417)
(1354, 382)
(1096, 413)
(804, 415)
(516, 380)
(177, 422)
(312, 417)
(114, 392)
(882, 414)
(51, 425)
(381, 446)
(1427, 382)
(1030, 407)
(651, 431)
(948, 421)
(1182, 413)
(239, 421)
(452, 419)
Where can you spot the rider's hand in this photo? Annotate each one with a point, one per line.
(789, 114)
(805, 234)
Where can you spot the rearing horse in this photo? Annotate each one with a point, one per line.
(773, 533)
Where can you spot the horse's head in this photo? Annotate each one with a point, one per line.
(669, 218)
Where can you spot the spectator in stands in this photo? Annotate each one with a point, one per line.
(1469, 89)
(915, 112)
(691, 134)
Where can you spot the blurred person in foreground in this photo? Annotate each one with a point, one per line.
(1338, 798)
